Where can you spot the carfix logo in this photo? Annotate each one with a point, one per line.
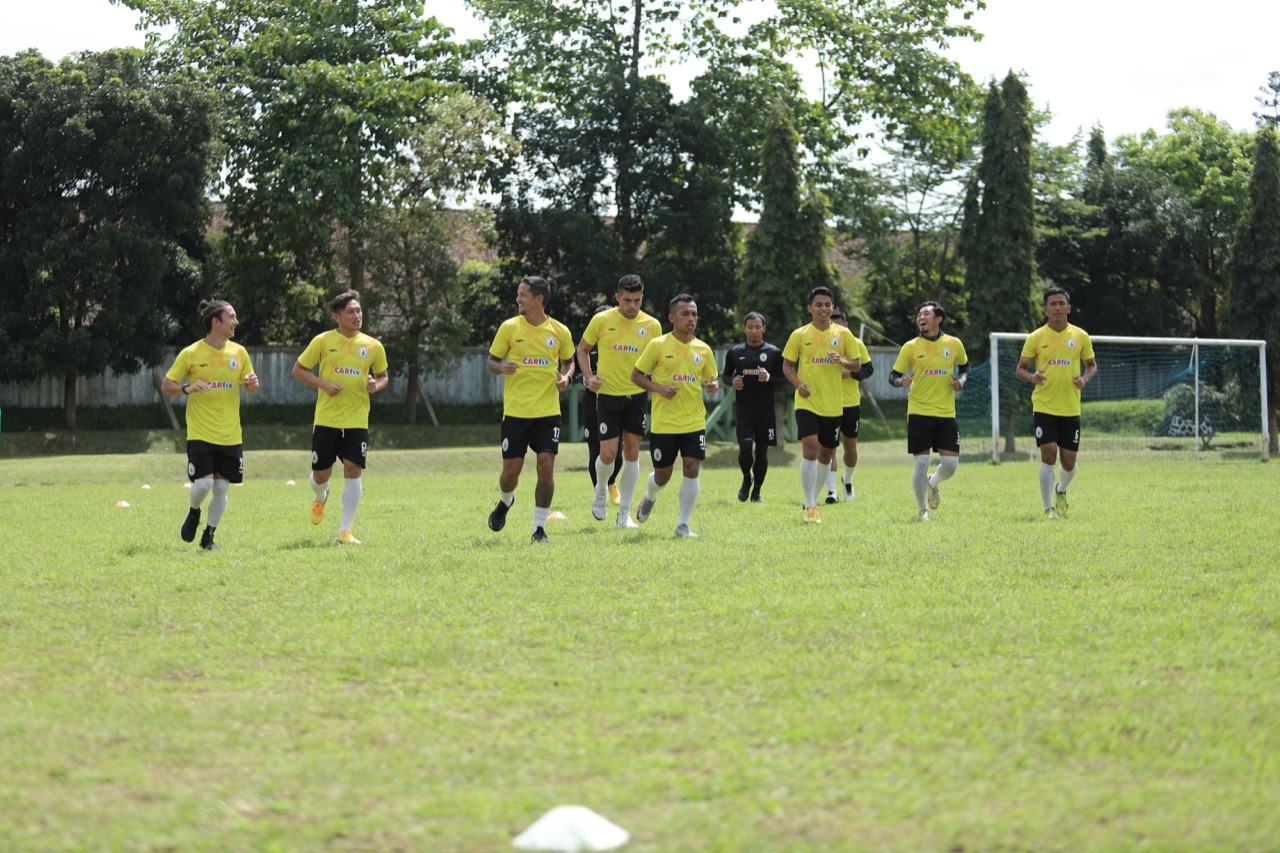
(347, 371)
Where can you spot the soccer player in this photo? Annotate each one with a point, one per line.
(1057, 350)
(535, 355)
(813, 361)
(674, 368)
(934, 367)
(851, 418)
(209, 373)
(350, 368)
(620, 335)
(754, 369)
(591, 431)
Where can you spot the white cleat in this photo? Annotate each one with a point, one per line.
(600, 504)
(935, 497)
(625, 522)
(683, 532)
(924, 515)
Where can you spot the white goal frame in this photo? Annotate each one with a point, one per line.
(1194, 343)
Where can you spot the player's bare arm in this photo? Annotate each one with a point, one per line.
(1090, 370)
(789, 371)
(1026, 374)
(590, 379)
(306, 377)
(376, 382)
(564, 374)
(500, 365)
(666, 391)
(251, 384)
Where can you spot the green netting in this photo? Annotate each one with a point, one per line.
(1142, 403)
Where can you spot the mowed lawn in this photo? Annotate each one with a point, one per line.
(985, 681)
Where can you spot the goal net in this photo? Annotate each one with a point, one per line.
(1156, 398)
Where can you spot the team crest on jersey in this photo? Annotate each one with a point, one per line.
(364, 352)
(233, 363)
(1071, 344)
(697, 359)
(764, 357)
(642, 332)
(946, 352)
(835, 342)
(550, 342)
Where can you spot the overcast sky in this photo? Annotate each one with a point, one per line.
(1121, 63)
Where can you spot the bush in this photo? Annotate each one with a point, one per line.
(1142, 417)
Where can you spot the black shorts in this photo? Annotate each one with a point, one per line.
(616, 415)
(329, 444)
(850, 421)
(204, 459)
(590, 417)
(1057, 429)
(519, 435)
(664, 447)
(925, 433)
(758, 424)
(826, 429)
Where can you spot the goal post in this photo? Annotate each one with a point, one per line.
(1163, 398)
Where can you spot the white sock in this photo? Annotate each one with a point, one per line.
(831, 479)
(321, 489)
(627, 479)
(848, 475)
(508, 498)
(651, 488)
(1065, 477)
(1046, 485)
(540, 514)
(688, 499)
(809, 481)
(920, 479)
(945, 471)
(218, 503)
(351, 491)
(200, 490)
(603, 473)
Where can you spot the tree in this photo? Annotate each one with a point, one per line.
(103, 177)
(786, 253)
(1255, 268)
(415, 285)
(318, 98)
(1270, 100)
(997, 239)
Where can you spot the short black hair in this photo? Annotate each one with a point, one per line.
(1054, 291)
(538, 286)
(209, 309)
(754, 315)
(838, 314)
(820, 290)
(343, 299)
(677, 299)
(631, 284)
(937, 310)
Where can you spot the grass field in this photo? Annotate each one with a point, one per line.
(986, 681)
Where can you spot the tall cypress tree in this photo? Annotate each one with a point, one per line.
(786, 253)
(1255, 268)
(997, 238)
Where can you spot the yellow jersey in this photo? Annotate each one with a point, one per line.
(531, 391)
(1060, 356)
(670, 361)
(213, 415)
(850, 388)
(619, 342)
(932, 367)
(349, 362)
(808, 349)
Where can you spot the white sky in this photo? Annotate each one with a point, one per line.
(1121, 63)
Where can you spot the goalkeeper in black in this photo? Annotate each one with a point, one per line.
(754, 369)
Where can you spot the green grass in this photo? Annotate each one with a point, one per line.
(988, 681)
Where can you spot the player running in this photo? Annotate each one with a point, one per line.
(851, 417)
(620, 335)
(1057, 350)
(209, 374)
(535, 355)
(350, 367)
(754, 369)
(934, 366)
(674, 368)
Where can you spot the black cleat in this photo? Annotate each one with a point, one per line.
(745, 490)
(539, 536)
(831, 498)
(190, 524)
(498, 518)
(755, 497)
(206, 539)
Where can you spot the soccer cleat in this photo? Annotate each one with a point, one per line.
(539, 536)
(744, 490)
(190, 523)
(643, 510)
(935, 497)
(600, 504)
(831, 497)
(924, 515)
(498, 518)
(1060, 503)
(811, 515)
(849, 493)
(615, 497)
(755, 497)
(1050, 514)
(345, 537)
(206, 540)
(683, 532)
(625, 522)
(317, 511)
